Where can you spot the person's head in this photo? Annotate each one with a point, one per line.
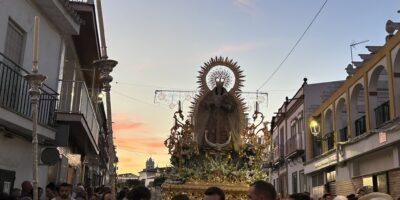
(361, 192)
(351, 197)
(262, 190)
(27, 188)
(40, 192)
(64, 190)
(299, 196)
(340, 197)
(213, 193)
(80, 191)
(3, 195)
(180, 197)
(327, 196)
(306, 193)
(139, 193)
(121, 194)
(51, 190)
(15, 193)
(107, 195)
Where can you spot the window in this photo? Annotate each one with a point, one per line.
(318, 179)
(360, 125)
(293, 129)
(300, 131)
(331, 176)
(302, 182)
(11, 88)
(382, 114)
(343, 134)
(300, 124)
(317, 147)
(330, 142)
(376, 183)
(294, 182)
(15, 40)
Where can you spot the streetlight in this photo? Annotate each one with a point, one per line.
(315, 129)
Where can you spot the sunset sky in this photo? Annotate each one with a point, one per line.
(161, 44)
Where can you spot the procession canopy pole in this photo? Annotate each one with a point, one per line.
(35, 81)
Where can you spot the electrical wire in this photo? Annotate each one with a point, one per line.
(134, 99)
(294, 47)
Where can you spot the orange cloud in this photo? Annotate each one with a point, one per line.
(141, 144)
(123, 121)
(127, 125)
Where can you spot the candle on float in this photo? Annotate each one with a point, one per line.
(36, 44)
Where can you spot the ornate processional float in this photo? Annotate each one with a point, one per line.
(217, 145)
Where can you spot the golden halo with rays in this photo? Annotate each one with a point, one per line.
(236, 85)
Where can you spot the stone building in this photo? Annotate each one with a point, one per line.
(357, 135)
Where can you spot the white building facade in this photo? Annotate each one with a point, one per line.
(289, 126)
(71, 117)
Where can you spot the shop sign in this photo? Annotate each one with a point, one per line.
(382, 137)
(326, 162)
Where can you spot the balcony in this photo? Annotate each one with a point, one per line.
(62, 14)
(14, 94)
(382, 114)
(278, 152)
(360, 126)
(77, 109)
(293, 149)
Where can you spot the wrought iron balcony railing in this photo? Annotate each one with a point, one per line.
(14, 93)
(291, 145)
(382, 114)
(278, 152)
(75, 99)
(360, 125)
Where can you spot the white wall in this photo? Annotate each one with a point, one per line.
(294, 167)
(50, 39)
(17, 156)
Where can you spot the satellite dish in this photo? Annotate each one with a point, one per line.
(50, 156)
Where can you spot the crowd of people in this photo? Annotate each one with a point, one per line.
(62, 191)
(259, 190)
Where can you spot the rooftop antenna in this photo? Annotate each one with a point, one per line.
(352, 45)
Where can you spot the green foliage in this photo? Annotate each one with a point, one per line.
(158, 181)
(245, 169)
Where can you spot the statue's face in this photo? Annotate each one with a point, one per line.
(220, 85)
